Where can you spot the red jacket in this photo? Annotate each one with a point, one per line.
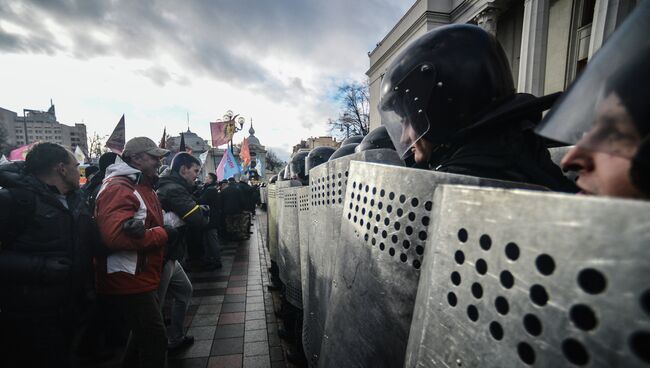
(136, 264)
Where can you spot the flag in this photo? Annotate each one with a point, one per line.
(245, 153)
(222, 132)
(3, 160)
(116, 141)
(204, 157)
(79, 155)
(260, 167)
(20, 153)
(228, 167)
(182, 146)
(163, 139)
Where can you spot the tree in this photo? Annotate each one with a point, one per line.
(96, 146)
(355, 108)
(272, 161)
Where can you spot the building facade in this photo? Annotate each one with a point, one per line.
(41, 126)
(547, 42)
(313, 142)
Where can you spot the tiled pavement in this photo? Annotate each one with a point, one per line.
(231, 316)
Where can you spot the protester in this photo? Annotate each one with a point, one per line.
(211, 197)
(45, 258)
(130, 221)
(175, 193)
(92, 186)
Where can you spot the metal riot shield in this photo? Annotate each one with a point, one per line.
(384, 231)
(516, 278)
(304, 225)
(328, 183)
(289, 244)
(263, 195)
(272, 223)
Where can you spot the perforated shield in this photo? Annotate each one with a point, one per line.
(327, 192)
(304, 225)
(263, 195)
(289, 245)
(520, 279)
(272, 223)
(384, 232)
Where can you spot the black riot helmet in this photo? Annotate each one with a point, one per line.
(273, 179)
(317, 156)
(297, 165)
(345, 150)
(441, 85)
(607, 108)
(377, 138)
(281, 174)
(353, 139)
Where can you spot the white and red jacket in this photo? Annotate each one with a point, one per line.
(134, 265)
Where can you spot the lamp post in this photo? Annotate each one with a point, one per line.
(228, 116)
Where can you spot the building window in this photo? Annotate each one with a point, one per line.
(583, 17)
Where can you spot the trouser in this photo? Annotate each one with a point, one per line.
(174, 280)
(36, 339)
(147, 346)
(211, 243)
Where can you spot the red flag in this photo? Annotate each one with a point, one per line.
(163, 139)
(222, 132)
(20, 153)
(245, 153)
(116, 141)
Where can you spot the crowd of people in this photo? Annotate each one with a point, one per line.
(116, 248)
(86, 271)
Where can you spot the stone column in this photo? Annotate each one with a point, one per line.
(608, 15)
(534, 35)
(487, 19)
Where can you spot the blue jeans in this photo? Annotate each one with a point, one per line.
(174, 280)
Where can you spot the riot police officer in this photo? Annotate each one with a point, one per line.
(449, 101)
(606, 115)
(344, 150)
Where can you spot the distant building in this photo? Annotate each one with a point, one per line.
(42, 126)
(547, 42)
(313, 142)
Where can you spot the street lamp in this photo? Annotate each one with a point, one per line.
(228, 116)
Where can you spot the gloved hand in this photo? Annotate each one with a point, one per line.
(134, 228)
(55, 269)
(172, 234)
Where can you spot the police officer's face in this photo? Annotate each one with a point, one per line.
(602, 156)
(600, 173)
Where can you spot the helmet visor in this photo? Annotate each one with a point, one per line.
(403, 107)
(604, 109)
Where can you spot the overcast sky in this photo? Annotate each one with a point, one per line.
(276, 61)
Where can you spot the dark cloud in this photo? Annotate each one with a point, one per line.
(225, 40)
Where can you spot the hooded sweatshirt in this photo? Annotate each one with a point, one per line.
(135, 264)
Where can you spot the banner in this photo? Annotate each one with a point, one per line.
(245, 153)
(228, 167)
(203, 157)
(116, 141)
(222, 132)
(79, 155)
(163, 140)
(20, 153)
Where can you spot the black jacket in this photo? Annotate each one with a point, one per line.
(212, 198)
(506, 148)
(175, 195)
(45, 248)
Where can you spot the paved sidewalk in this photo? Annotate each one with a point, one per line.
(231, 316)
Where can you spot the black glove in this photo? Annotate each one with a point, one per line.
(134, 228)
(172, 234)
(55, 269)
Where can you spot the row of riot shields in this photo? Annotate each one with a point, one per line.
(406, 267)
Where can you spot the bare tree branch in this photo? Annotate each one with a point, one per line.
(355, 109)
(96, 146)
(273, 161)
